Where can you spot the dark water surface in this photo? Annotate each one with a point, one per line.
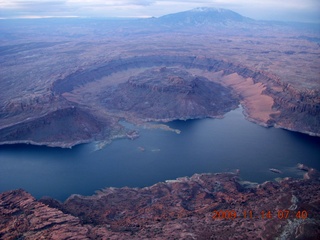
(208, 145)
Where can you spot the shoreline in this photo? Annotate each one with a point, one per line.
(165, 210)
(260, 94)
(160, 125)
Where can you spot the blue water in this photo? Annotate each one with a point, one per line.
(207, 145)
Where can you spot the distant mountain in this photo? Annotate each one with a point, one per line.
(203, 16)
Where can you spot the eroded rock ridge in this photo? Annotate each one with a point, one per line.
(169, 94)
(179, 209)
(162, 95)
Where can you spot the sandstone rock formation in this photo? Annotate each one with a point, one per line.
(168, 94)
(293, 109)
(151, 95)
(63, 128)
(23, 217)
(185, 208)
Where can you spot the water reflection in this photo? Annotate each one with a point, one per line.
(207, 145)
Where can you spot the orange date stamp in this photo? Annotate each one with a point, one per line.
(249, 214)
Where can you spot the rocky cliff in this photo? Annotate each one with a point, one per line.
(173, 93)
(167, 94)
(298, 108)
(204, 206)
(64, 127)
(23, 217)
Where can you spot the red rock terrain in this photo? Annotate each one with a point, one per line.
(179, 209)
(54, 77)
(153, 95)
(271, 68)
(292, 108)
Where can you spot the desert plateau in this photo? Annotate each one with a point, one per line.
(71, 82)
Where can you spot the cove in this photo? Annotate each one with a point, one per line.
(206, 145)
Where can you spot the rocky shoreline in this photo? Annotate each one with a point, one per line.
(204, 206)
(189, 89)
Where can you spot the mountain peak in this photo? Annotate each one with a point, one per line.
(203, 16)
(208, 9)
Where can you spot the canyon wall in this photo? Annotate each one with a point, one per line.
(275, 103)
(198, 207)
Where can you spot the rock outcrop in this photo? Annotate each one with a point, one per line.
(62, 128)
(164, 94)
(298, 108)
(198, 207)
(23, 217)
(170, 94)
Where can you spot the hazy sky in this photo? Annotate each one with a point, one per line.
(288, 10)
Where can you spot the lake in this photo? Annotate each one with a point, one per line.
(207, 145)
